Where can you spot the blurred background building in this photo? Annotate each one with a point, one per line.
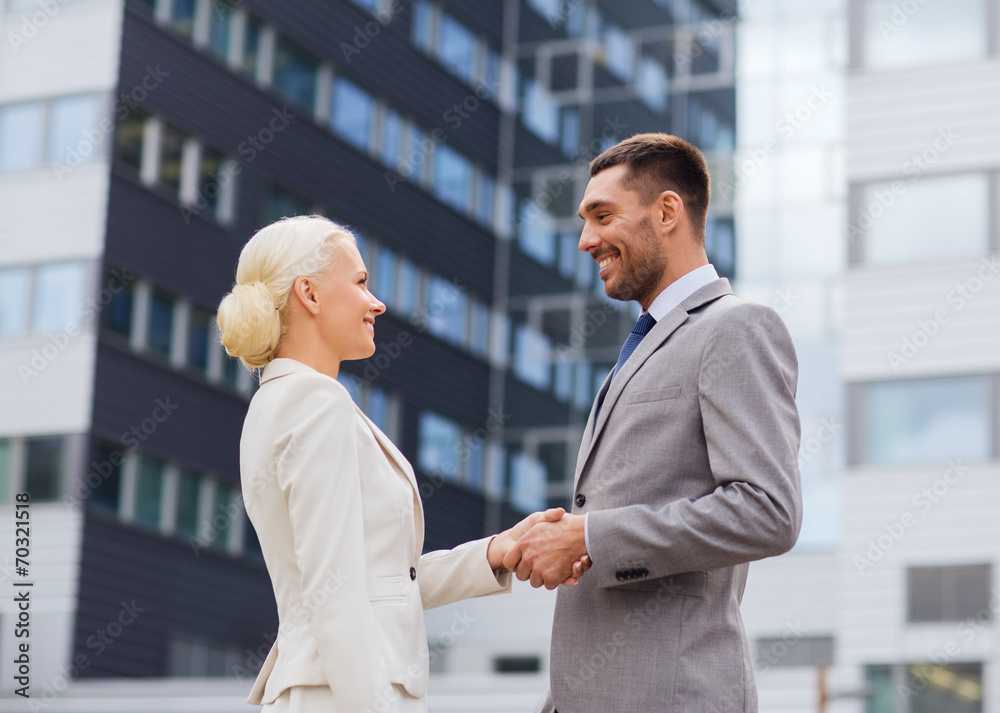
(854, 148)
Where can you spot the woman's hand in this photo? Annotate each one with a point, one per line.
(503, 543)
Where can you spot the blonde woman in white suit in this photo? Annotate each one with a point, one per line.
(334, 503)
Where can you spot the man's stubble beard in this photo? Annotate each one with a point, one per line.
(645, 269)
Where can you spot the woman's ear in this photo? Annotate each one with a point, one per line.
(305, 291)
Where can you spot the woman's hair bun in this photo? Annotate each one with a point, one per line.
(250, 324)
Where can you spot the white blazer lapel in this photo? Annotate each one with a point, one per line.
(404, 465)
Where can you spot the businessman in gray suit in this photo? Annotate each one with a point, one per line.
(688, 466)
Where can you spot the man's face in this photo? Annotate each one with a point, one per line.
(618, 233)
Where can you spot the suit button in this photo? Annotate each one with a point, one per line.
(413, 572)
(581, 500)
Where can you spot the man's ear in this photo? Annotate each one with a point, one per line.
(669, 211)
(305, 292)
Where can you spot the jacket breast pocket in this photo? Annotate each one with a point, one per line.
(388, 589)
(661, 394)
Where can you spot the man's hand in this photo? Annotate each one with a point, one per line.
(502, 545)
(548, 554)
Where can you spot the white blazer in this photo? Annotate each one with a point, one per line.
(337, 511)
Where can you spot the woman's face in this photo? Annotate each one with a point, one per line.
(347, 308)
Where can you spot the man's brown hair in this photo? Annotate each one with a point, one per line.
(662, 162)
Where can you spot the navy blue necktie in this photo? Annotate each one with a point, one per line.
(640, 330)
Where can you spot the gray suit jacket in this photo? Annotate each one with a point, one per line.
(690, 474)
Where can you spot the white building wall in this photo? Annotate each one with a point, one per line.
(46, 379)
(910, 321)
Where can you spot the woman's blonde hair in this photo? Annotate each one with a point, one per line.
(252, 318)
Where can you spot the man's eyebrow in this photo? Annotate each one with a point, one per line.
(594, 205)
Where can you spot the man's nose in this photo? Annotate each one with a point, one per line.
(588, 240)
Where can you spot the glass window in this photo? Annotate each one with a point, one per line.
(917, 421)
(800, 651)
(457, 47)
(570, 142)
(43, 475)
(651, 84)
(928, 32)
(537, 233)
(415, 157)
(491, 71)
(209, 183)
(220, 519)
(392, 138)
(933, 218)
(479, 339)
(182, 16)
(378, 407)
(485, 197)
(532, 355)
(198, 330)
(881, 696)
(14, 285)
(107, 466)
(720, 244)
(149, 490)
(956, 688)
(408, 287)
(220, 24)
(279, 203)
(619, 52)
(949, 593)
(117, 316)
(423, 25)
(353, 112)
(251, 45)
(128, 138)
(446, 307)
(563, 386)
(583, 393)
(568, 249)
(541, 112)
(59, 293)
(453, 177)
(527, 483)
(161, 322)
(295, 73)
(71, 121)
(439, 441)
(21, 127)
(475, 465)
(171, 156)
(384, 282)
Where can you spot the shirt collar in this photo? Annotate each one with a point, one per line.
(680, 289)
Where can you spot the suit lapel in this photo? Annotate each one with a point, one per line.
(404, 465)
(660, 332)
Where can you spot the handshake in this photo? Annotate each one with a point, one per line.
(548, 548)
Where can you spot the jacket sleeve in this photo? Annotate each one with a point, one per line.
(319, 477)
(746, 393)
(447, 576)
